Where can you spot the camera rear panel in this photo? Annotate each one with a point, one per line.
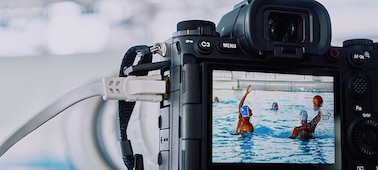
(187, 126)
(185, 116)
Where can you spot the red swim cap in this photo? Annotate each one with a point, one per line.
(318, 101)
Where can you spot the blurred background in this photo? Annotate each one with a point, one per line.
(49, 47)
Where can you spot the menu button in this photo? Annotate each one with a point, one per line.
(230, 47)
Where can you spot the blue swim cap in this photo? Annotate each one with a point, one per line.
(244, 111)
(273, 104)
(303, 115)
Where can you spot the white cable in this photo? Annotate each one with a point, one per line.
(131, 88)
(64, 102)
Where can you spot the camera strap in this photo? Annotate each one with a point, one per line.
(125, 108)
(137, 61)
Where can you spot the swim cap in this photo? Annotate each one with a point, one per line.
(303, 115)
(273, 104)
(318, 101)
(244, 111)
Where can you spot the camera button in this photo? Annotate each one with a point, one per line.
(358, 58)
(334, 54)
(358, 108)
(360, 167)
(228, 47)
(204, 47)
(359, 86)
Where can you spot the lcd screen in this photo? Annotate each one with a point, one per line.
(272, 118)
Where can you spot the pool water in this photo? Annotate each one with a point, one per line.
(270, 142)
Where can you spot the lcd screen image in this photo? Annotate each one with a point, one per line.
(272, 118)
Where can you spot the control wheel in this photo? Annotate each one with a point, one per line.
(364, 136)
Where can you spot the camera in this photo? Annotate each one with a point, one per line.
(264, 53)
(262, 89)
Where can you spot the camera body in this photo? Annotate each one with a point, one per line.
(282, 49)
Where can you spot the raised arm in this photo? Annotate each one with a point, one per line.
(241, 103)
(314, 122)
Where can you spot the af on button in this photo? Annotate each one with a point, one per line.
(204, 47)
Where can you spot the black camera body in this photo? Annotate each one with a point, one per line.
(282, 49)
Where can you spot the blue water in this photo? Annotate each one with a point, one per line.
(270, 142)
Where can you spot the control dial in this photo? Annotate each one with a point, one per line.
(196, 27)
(359, 44)
(365, 137)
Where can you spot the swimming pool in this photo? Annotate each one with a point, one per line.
(270, 142)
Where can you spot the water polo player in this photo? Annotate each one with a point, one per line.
(306, 130)
(245, 114)
(274, 106)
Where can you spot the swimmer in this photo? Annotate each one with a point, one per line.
(306, 130)
(216, 100)
(245, 114)
(274, 106)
